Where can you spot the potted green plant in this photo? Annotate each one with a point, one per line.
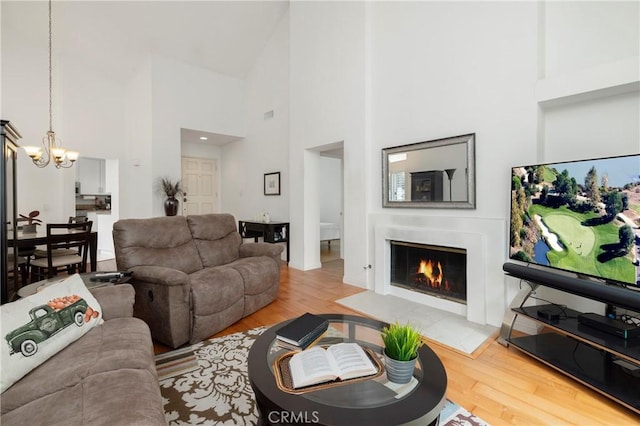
(401, 344)
(171, 189)
(32, 222)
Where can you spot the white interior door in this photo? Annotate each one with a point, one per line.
(200, 182)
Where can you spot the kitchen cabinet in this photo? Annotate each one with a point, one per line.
(90, 175)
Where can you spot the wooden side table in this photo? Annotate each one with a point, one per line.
(272, 232)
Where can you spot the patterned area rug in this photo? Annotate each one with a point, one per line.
(208, 383)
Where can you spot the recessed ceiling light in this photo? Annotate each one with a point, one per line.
(203, 138)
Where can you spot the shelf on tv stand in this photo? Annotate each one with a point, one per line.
(581, 352)
(568, 324)
(585, 363)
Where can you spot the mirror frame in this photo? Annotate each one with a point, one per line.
(470, 203)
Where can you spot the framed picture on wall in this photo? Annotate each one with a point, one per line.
(272, 183)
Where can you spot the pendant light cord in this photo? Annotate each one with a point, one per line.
(52, 147)
(50, 74)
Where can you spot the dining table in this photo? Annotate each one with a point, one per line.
(25, 239)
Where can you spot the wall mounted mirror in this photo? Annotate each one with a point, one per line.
(431, 174)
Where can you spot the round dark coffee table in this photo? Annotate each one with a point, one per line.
(371, 402)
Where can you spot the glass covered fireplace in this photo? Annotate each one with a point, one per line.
(435, 270)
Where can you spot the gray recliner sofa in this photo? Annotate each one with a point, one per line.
(107, 377)
(193, 276)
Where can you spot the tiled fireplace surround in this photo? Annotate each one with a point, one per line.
(485, 281)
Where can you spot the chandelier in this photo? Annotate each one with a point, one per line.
(52, 146)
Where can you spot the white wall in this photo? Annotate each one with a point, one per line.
(87, 111)
(593, 48)
(189, 97)
(137, 122)
(507, 90)
(135, 168)
(112, 185)
(161, 98)
(265, 147)
(1, 114)
(589, 129)
(200, 150)
(582, 35)
(328, 105)
(478, 81)
(535, 82)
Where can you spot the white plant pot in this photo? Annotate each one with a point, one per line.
(29, 229)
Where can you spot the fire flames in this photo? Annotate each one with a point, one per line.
(432, 275)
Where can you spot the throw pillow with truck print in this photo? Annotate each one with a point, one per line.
(37, 327)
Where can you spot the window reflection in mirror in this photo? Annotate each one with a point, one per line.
(436, 174)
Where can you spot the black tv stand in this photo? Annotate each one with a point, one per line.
(606, 363)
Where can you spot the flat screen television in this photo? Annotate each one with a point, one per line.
(579, 216)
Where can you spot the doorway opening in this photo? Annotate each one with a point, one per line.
(331, 202)
(200, 165)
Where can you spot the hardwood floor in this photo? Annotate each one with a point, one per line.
(501, 385)
(329, 250)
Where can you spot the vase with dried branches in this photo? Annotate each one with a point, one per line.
(171, 188)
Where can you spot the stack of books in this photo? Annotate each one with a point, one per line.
(302, 332)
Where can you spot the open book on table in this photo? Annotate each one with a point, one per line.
(340, 361)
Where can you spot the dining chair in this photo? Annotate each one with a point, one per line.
(42, 253)
(21, 263)
(67, 236)
(26, 253)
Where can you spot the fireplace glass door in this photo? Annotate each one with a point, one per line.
(435, 270)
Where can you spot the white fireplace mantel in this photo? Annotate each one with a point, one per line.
(476, 308)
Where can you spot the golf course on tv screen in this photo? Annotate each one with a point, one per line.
(579, 216)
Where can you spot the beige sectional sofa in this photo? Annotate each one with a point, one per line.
(193, 275)
(107, 377)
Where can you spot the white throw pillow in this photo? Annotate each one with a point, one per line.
(37, 327)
